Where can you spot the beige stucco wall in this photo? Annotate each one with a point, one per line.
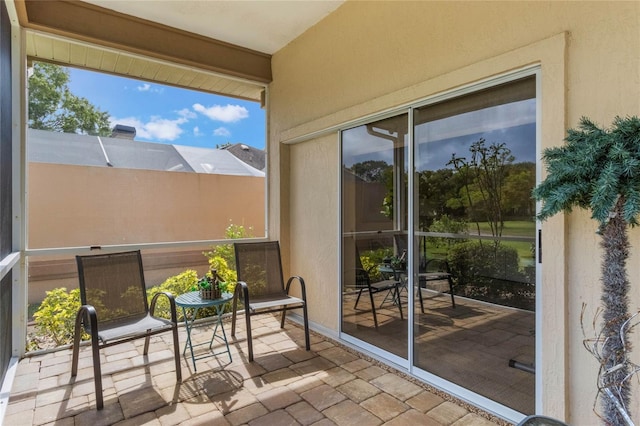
(368, 57)
(80, 206)
(76, 206)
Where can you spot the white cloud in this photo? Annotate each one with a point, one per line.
(187, 114)
(146, 87)
(226, 114)
(222, 131)
(157, 128)
(197, 131)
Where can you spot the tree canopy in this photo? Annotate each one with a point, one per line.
(53, 107)
(593, 170)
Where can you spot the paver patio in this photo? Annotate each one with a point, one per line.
(285, 385)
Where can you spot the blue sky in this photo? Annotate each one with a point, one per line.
(167, 114)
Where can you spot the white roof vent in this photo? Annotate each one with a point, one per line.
(244, 147)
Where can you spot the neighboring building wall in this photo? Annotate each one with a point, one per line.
(79, 206)
(371, 56)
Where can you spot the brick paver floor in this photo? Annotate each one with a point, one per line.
(285, 385)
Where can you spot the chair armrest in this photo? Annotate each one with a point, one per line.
(303, 288)
(172, 304)
(241, 291)
(91, 314)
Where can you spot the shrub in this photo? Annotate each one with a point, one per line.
(222, 257)
(490, 272)
(56, 316)
(176, 285)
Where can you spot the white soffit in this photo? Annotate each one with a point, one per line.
(65, 51)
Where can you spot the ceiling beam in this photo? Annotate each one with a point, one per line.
(87, 22)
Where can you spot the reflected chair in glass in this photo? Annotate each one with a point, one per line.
(435, 270)
(429, 270)
(261, 287)
(115, 309)
(364, 282)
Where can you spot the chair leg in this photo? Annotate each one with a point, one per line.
(358, 298)
(176, 353)
(249, 338)
(420, 295)
(373, 309)
(234, 309)
(399, 304)
(453, 302)
(145, 351)
(97, 371)
(306, 327)
(76, 344)
(284, 314)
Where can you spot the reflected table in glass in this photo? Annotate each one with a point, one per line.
(399, 275)
(192, 301)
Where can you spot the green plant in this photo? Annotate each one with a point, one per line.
(178, 284)
(222, 257)
(599, 169)
(56, 315)
(490, 273)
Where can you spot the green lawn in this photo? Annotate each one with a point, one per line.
(515, 228)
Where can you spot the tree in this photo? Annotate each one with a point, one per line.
(53, 107)
(485, 174)
(599, 169)
(371, 170)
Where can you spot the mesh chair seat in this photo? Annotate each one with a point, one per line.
(133, 327)
(267, 302)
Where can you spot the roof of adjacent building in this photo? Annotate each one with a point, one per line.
(252, 156)
(100, 151)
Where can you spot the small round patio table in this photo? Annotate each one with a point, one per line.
(194, 302)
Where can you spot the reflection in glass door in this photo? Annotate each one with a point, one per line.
(468, 264)
(474, 224)
(374, 200)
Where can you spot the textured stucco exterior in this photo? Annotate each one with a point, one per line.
(75, 206)
(80, 206)
(368, 57)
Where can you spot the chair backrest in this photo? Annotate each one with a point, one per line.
(362, 275)
(259, 265)
(401, 242)
(113, 284)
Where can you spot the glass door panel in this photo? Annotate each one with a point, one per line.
(474, 321)
(374, 209)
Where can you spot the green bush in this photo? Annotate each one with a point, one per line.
(490, 272)
(176, 285)
(222, 257)
(56, 316)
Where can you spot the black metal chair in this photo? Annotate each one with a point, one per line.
(364, 282)
(261, 287)
(435, 270)
(429, 270)
(115, 309)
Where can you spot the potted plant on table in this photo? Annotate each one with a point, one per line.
(599, 169)
(211, 286)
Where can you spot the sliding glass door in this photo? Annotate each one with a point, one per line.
(374, 209)
(446, 269)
